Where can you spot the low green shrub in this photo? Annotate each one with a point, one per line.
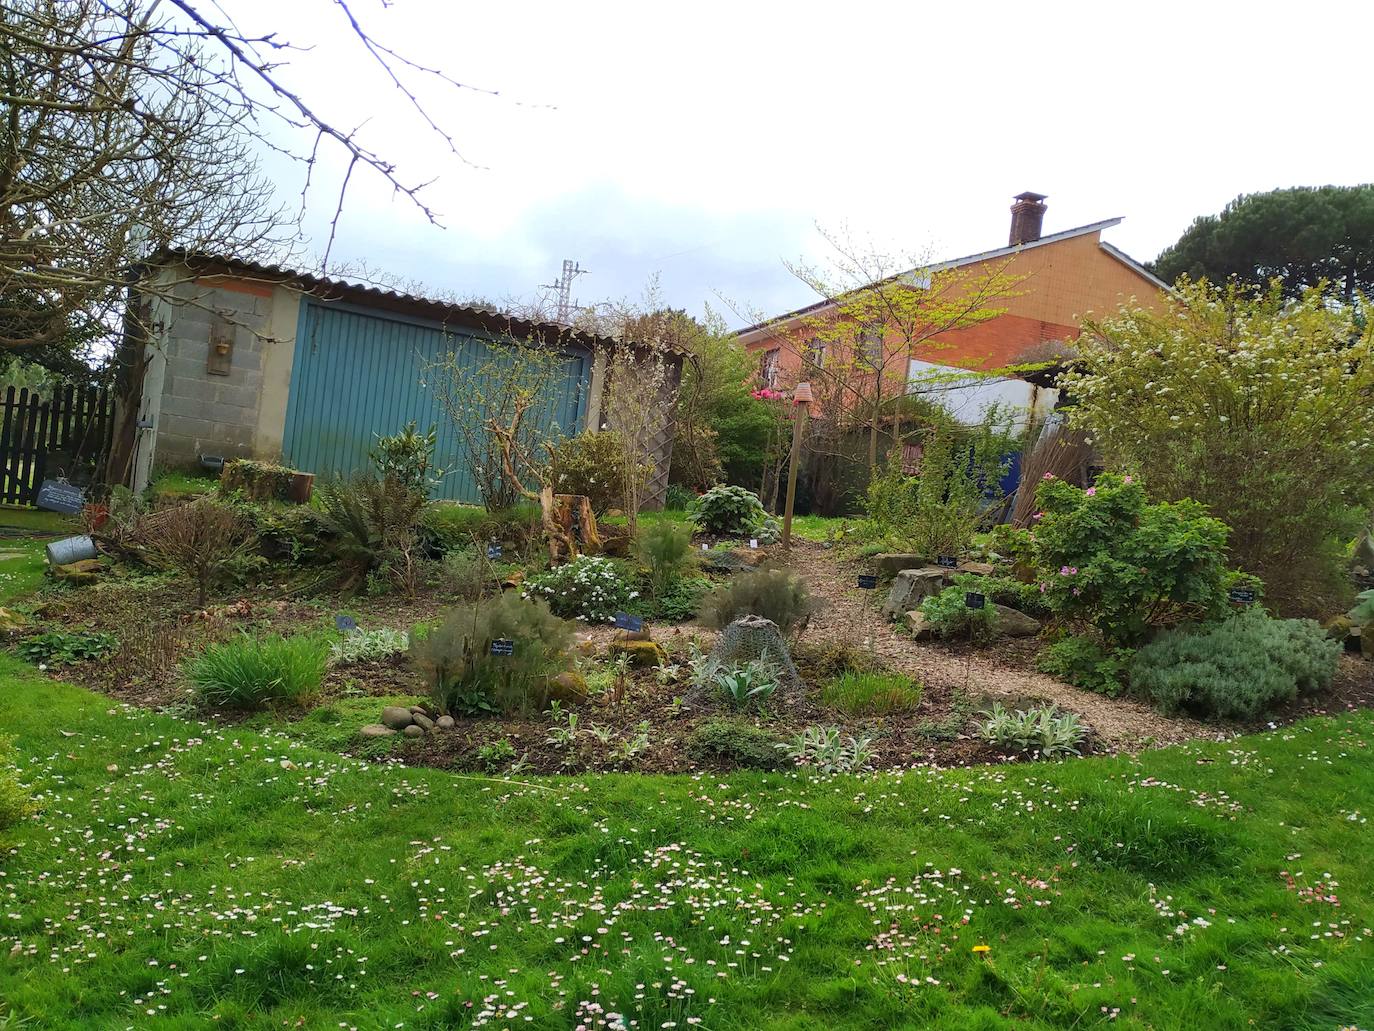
(735, 742)
(681, 599)
(774, 594)
(63, 647)
(948, 616)
(592, 464)
(408, 456)
(368, 646)
(872, 694)
(590, 588)
(1008, 591)
(1107, 556)
(496, 755)
(664, 548)
(729, 511)
(249, 672)
(1085, 662)
(1237, 669)
(15, 802)
(464, 678)
(1045, 732)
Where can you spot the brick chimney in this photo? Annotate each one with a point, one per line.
(1027, 215)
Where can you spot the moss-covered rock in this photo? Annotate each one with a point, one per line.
(642, 654)
(569, 687)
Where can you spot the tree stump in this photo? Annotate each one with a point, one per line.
(570, 516)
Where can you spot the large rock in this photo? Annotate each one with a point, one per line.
(894, 563)
(376, 730)
(397, 717)
(1011, 623)
(977, 568)
(422, 721)
(1364, 551)
(568, 687)
(912, 587)
(444, 722)
(414, 731)
(919, 626)
(640, 653)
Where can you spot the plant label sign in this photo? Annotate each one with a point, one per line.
(868, 581)
(493, 551)
(345, 623)
(706, 547)
(625, 621)
(947, 561)
(503, 646)
(974, 600)
(754, 542)
(1243, 595)
(61, 496)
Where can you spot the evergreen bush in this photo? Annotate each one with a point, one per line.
(1237, 669)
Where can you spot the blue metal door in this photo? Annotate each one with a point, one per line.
(359, 374)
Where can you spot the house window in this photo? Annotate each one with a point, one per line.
(871, 349)
(768, 369)
(815, 352)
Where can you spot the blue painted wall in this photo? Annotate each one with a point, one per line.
(358, 374)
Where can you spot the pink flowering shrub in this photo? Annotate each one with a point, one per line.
(1108, 557)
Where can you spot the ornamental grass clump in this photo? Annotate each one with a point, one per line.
(250, 673)
(1238, 669)
(773, 594)
(590, 588)
(462, 674)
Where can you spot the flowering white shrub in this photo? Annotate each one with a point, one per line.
(589, 588)
(1256, 406)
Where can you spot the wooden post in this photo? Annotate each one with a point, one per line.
(801, 413)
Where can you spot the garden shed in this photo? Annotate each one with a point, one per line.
(243, 360)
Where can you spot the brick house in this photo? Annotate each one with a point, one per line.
(1059, 280)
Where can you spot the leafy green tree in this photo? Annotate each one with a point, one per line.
(1259, 406)
(1302, 236)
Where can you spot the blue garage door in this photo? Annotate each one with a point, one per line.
(359, 374)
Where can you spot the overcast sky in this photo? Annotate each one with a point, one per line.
(705, 141)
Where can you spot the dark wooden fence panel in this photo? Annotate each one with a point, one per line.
(63, 435)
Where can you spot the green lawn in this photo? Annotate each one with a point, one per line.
(185, 876)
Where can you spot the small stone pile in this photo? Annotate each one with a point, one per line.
(416, 721)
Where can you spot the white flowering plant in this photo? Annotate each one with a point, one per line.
(591, 588)
(1255, 405)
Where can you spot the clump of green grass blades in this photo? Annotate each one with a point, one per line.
(871, 694)
(249, 673)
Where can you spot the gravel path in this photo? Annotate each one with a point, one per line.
(852, 616)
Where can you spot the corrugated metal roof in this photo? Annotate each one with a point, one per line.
(330, 288)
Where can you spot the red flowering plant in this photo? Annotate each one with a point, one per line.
(1106, 556)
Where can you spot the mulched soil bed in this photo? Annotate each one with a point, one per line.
(158, 629)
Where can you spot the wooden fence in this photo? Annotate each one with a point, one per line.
(63, 435)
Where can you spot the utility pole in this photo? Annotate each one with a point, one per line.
(562, 288)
